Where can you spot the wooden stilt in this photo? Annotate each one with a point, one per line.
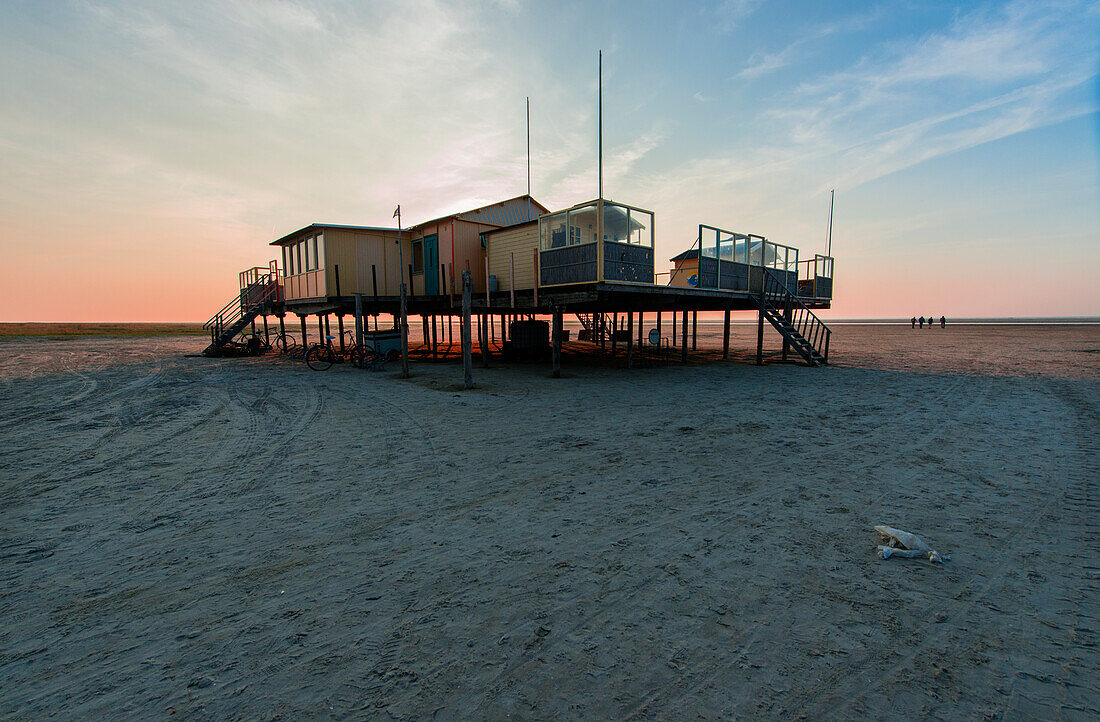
(467, 340)
(557, 334)
(424, 329)
(340, 327)
(760, 336)
(282, 330)
(303, 320)
(660, 333)
(267, 335)
(673, 328)
(726, 337)
(630, 339)
(435, 342)
(483, 333)
(322, 326)
(404, 334)
(614, 330)
(359, 329)
(684, 338)
(694, 330)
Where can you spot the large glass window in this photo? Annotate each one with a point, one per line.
(581, 223)
(552, 231)
(627, 225)
(319, 248)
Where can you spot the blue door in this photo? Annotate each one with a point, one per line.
(431, 265)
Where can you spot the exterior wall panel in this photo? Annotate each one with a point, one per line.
(521, 241)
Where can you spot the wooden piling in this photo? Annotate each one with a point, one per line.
(359, 329)
(630, 339)
(282, 330)
(614, 329)
(483, 332)
(467, 341)
(673, 328)
(302, 318)
(404, 335)
(267, 336)
(435, 343)
(694, 330)
(340, 328)
(760, 335)
(684, 338)
(726, 336)
(557, 334)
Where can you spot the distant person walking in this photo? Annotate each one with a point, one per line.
(913, 322)
(943, 322)
(929, 320)
(921, 321)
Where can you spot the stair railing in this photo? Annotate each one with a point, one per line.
(259, 293)
(777, 297)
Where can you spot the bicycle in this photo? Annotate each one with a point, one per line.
(321, 356)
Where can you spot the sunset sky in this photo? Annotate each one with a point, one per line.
(152, 150)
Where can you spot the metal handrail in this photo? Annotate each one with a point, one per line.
(805, 321)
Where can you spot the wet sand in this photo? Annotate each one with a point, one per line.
(245, 538)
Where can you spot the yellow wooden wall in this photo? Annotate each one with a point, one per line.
(521, 241)
(682, 270)
(354, 251)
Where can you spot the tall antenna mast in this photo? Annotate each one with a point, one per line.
(829, 238)
(528, 157)
(600, 122)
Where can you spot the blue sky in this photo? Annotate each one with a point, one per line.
(162, 145)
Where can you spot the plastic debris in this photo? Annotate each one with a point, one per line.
(898, 543)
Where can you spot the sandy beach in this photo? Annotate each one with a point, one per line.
(247, 539)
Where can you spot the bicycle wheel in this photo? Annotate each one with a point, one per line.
(319, 357)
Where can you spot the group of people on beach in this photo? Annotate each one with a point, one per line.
(921, 321)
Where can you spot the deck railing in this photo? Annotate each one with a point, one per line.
(777, 296)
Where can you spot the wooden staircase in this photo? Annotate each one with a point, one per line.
(239, 313)
(798, 325)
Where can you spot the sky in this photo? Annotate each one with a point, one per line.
(150, 151)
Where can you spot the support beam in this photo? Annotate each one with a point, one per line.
(614, 331)
(684, 339)
(557, 334)
(404, 334)
(760, 335)
(483, 333)
(674, 328)
(694, 330)
(340, 326)
(282, 330)
(303, 320)
(630, 339)
(435, 342)
(267, 334)
(726, 336)
(467, 340)
(359, 329)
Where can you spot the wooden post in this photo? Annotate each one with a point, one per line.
(726, 337)
(557, 334)
(614, 329)
(786, 317)
(760, 336)
(435, 344)
(340, 326)
(511, 286)
(467, 341)
(660, 334)
(684, 338)
(303, 320)
(630, 339)
(359, 329)
(404, 335)
(267, 336)
(694, 330)
(673, 328)
(483, 332)
(322, 327)
(536, 266)
(282, 330)
(424, 329)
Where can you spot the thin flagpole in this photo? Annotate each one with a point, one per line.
(600, 122)
(829, 239)
(528, 157)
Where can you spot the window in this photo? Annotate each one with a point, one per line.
(298, 257)
(311, 253)
(319, 261)
(483, 243)
(418, 256)
(286, 271)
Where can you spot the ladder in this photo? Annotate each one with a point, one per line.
(798, 325)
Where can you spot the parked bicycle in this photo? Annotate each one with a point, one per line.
(321, 356)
